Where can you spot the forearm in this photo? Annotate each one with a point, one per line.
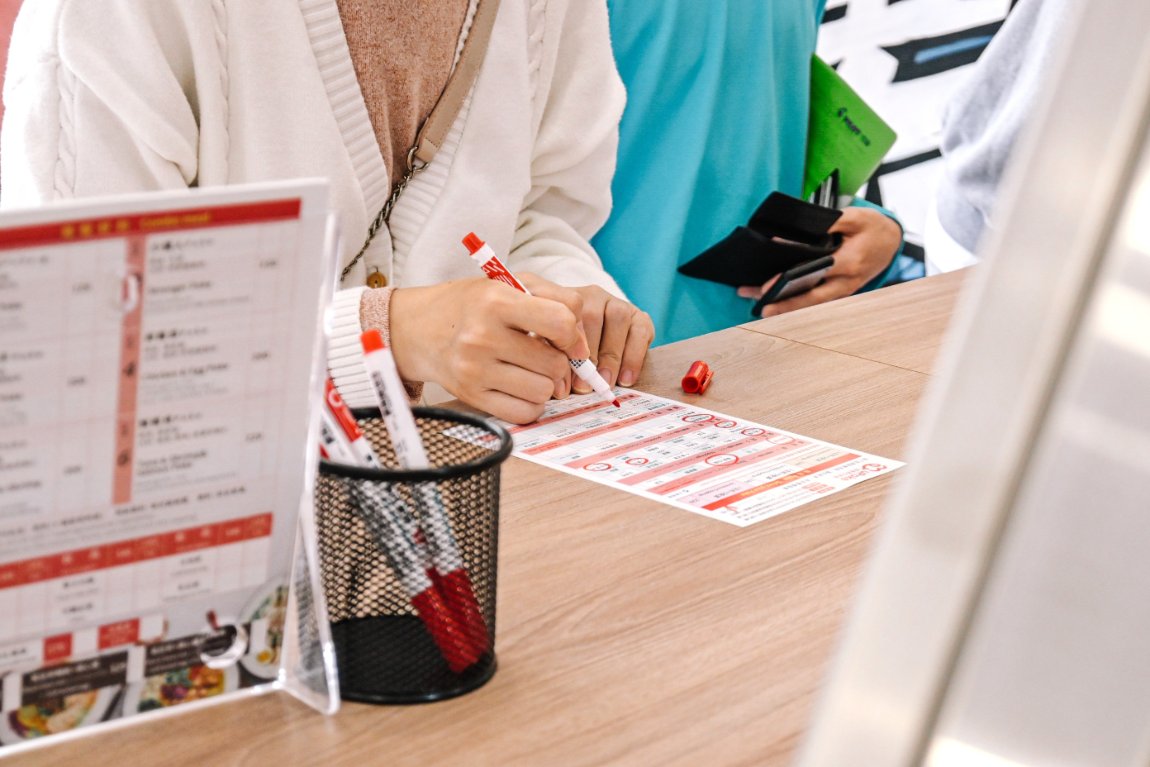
(573, 157)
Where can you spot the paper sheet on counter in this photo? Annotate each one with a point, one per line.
(722, 467)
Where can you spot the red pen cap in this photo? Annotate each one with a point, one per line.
(372, 341)
(698, 377)
(472, 242)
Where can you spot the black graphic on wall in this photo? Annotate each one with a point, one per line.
(898, 55)
(835, 13)
(931, 55)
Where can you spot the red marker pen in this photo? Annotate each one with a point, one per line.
(331, 443)
(343, 441)
(448, 573)
(357, 442)
(395, 534)
(452, 637)
(495, 270)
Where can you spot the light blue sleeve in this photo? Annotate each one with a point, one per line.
(887, 275)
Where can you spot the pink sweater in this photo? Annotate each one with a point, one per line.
(403, 53)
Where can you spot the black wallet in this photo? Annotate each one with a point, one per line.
(783, 232)
(798, 279)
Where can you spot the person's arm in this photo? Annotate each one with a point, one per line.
(872, 239)
(469, 336)
(579, 101)
(96, 114)
(88, 113)
(884, 276)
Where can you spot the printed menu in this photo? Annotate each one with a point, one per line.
(157, 368)
(690, 457)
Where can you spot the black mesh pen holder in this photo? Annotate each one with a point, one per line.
(408, 561)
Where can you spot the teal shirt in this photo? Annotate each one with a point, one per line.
(716, 118)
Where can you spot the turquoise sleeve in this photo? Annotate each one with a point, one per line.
(883, 277)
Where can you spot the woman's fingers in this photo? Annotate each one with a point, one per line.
(472, 337)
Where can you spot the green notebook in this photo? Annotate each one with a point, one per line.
(844, 134)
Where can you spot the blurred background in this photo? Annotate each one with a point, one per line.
(905, 58)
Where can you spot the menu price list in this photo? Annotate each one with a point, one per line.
(139, 409)
(70, 588)
(154, 353)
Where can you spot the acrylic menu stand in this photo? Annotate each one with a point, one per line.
(160, 356)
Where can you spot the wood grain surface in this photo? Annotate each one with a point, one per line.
(630, 632)
(900, 325)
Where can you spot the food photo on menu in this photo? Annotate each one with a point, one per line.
(52, 716)
(68, 696)
(172, 688)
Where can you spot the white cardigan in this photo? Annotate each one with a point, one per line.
(108, 96)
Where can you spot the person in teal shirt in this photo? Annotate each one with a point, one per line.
(716, 118)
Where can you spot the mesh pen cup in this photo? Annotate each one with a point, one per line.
(409, 558)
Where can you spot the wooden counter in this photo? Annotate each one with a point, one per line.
(630, 632)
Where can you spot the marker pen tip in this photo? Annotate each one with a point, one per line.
(615, 402)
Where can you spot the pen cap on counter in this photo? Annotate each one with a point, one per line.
(698, 377)
(408, 560)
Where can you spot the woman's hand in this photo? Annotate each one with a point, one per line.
(618, 332)
(870, 240)
(471, 337)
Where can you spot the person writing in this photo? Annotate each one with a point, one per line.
(188, 93)
(694, 166)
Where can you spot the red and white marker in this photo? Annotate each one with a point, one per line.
(495, 270)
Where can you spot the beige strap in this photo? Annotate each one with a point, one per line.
(438, 123)
(434, 129)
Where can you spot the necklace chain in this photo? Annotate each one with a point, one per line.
(384, 215)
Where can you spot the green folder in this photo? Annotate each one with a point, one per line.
(844, 133)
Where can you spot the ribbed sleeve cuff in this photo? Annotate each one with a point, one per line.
(352, 311)
(344, 352)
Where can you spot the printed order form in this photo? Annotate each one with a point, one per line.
(156, 372)
(696, 459)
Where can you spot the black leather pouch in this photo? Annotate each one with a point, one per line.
(781, 234)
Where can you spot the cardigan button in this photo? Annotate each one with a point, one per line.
(376, 280)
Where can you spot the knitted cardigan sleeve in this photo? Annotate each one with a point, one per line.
(579, 100)
(354, 310)
(88, 113)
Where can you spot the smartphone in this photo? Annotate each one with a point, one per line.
(797, 279)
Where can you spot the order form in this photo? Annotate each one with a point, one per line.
(690, 457)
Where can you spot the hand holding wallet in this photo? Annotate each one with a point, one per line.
(793, 281)
(783, 233)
